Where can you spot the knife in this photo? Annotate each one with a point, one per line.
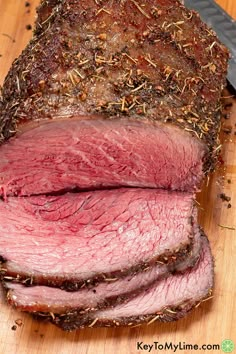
(224, 26)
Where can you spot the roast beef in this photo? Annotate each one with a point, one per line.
(91, 61)
(47, 299)
(89, 154)
(108, 123)
(86, 236)
(166, 300)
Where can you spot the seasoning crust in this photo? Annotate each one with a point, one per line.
(159, 62)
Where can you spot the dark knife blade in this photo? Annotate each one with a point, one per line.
(224, 26)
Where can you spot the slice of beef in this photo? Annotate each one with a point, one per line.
(66, 155)
(167, 300)
(47, 299)
(74, 238)
(90, 61)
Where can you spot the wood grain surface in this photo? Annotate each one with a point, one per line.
(210, 323)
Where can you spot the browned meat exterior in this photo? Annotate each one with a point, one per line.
(160, 63)
(74, 238)
(44, 12)
(167, 300)
(90, 298)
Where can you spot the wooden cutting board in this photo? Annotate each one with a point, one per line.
(210, 323)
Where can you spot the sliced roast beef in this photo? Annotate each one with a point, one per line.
(47, 299)
(66, 155)
(99, 111)
(166, 300)
(121, 73)
(99, 234)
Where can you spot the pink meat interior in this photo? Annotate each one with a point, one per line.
(174, 290)
(78, 235)
(93, 154)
